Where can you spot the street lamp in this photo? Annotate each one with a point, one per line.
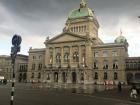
(16, 41)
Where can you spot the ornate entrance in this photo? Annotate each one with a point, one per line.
(24, 77)
(20, 77)
(56, 77)
(64, 77)
(74, 77)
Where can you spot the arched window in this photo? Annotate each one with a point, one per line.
(39, 66)
(96, 76)
(48, 76)
(51, 58)
(75, 57)
(95, 65)
(32, 76)
(115, 76)
(58, 57)
(105, 64)
(33, 66)
(39, 75)
(105, 75)
(115, 64)
(66, 57)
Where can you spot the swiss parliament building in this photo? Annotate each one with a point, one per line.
(78, 55)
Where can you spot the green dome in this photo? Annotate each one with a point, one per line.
(120, 39)
(82, 12)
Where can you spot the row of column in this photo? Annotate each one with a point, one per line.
(70, 55)
(69, 77)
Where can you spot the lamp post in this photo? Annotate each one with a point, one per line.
(16, 41)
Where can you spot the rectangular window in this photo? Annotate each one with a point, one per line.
(105, 76)
(105, 54)
(96, 76)
(95, 65)
(39, 66)
(33, 66)
(34, 57)
(105, 66)
(40, 57)
(114, 53)
(115, 64)
(115, 76)
(96, 54)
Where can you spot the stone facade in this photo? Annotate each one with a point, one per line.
(36, 65)
(132, 68)
(78, 55)
(20, 67)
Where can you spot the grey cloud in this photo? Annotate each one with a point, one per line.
(46, 16)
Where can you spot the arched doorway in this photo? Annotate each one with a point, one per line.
(82, 76)
(24, 77)
(20, 77)
(55, 77)
(64, 77)
(129, 77)
(74, 77)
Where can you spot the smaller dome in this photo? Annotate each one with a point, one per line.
(120, 39)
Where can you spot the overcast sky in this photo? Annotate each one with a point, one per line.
(34, 20)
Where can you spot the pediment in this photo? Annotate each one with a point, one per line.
(66, 37)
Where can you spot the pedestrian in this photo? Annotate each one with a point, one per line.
(133, 94)
(119, 87)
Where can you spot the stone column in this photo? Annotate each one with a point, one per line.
(54, 56)
(62, 56)
(59, 77)
(80, 55)
(88, 58)
(85, 76)
(69, 79)
(52, 77)
(70, 56)
(78, 77)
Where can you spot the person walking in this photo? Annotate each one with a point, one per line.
(119, 87)
(133, 94)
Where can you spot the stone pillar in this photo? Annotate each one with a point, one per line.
(69, 79)
(80, 55)
(54, 56)
(85, 77)
(62, 56)
(70, 56)
(78, 77)
(52, 77)
(59, 77)
(88, 58)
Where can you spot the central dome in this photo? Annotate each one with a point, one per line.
(79, 13)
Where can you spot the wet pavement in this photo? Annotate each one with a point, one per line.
(66, 94)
